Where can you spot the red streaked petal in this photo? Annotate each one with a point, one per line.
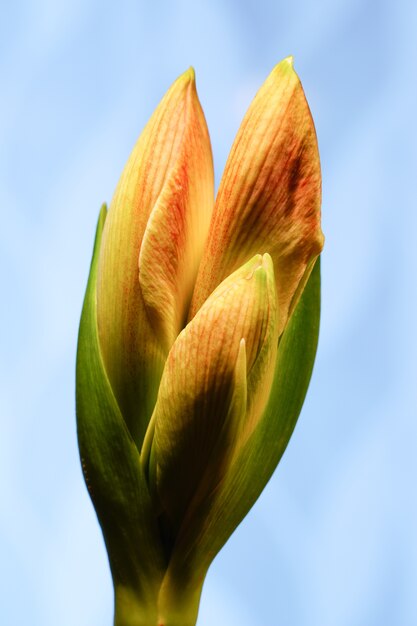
(177, 228)
(270, 194)
(133, 354)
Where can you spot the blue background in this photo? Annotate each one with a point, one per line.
(332, 540)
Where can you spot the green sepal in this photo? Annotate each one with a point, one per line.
(113, 474)
(204, 533)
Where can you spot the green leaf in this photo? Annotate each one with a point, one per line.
(113, 473)
(205, 532)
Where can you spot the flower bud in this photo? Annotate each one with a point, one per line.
(180, 425)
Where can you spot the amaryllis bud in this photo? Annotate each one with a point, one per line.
(197, 339)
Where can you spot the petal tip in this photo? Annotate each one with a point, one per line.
(267, 262)
(189, 75)
(185, 81)
(265, 265)
(284, 67)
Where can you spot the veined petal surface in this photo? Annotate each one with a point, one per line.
(152, 242)
(216, 381)
(270, 194)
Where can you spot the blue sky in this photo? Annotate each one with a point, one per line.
(332, 540)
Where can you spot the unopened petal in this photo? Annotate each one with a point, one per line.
(155, 196)
(211, 522)
(270, 194)
(210, 386)
(177, 227)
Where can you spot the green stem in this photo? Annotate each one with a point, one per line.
(176, 605)
(130, 610)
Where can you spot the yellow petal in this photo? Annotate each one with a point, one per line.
(216, 381)
(151, 246)
(270, 194)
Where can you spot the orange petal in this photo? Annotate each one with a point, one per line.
(215, 384)
(177, 228)
(155, 198)
(270, 194)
